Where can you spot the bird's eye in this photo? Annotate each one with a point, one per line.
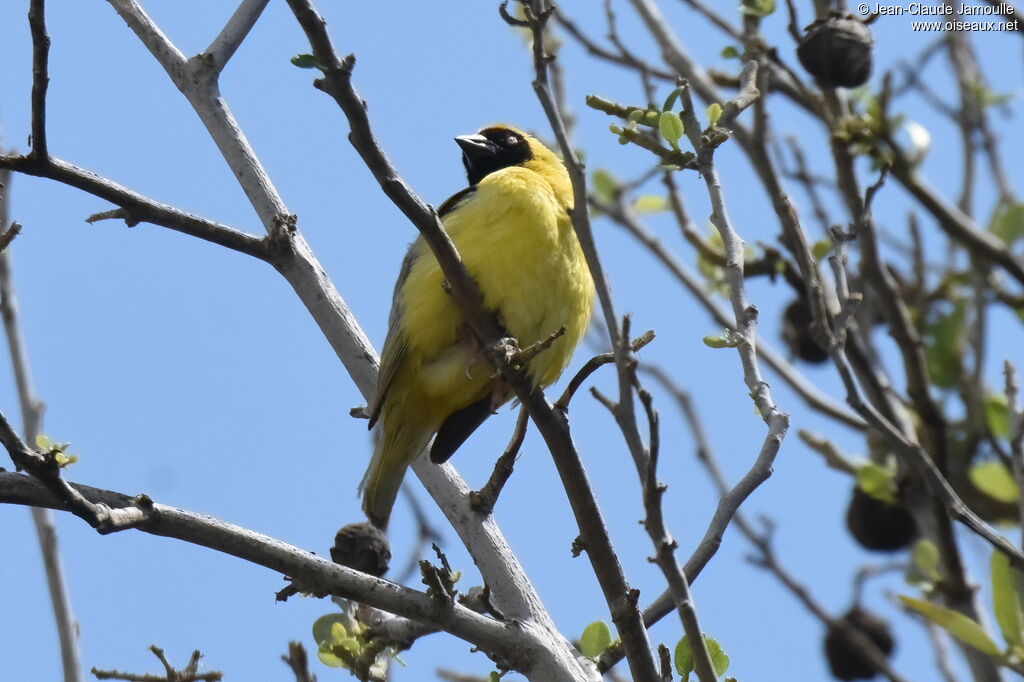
(511, 141)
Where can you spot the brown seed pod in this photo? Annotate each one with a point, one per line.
(845, 661)
(837, 51)
(796, 333)
(363, 547)
(878, 525)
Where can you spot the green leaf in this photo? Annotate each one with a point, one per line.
(925, 557)
(650, 203)
(821, 248)
(605, 184)
(997, 414)
(349, 644)
(671, 127)
(877, 481)
(719, 659)
(714, 113)
(730, 52)
(995, 480)
(944, 344)
(1008, 223)
(956, 624)
(684, 656)
(44, 443)
(757, 8)
(595, 639)
(670, 101)
(64, 460)
(325, 628)
(494, 677)
(328, 658)
(987, 98)
(306, 61)
(723, 339)
(669, 167)
(1006, 600)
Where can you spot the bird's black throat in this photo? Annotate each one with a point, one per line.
(491, 150)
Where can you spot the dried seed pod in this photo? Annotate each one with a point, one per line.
(845, 661)
(837, 51)
(796, 333)
(363, 547)
(878, 525)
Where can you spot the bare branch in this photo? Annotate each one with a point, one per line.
(592, 365)
(664, 553)
(805, 389)
(223, 47)
(40, 75)
(31, 419)
(484, 499)
(7, 236)
(316, 574)
(297, 661)
(768, 560)
(728, 505)
(46, 468)
(189, 673)
(1016, 415)
(137, 208)
(955, 223)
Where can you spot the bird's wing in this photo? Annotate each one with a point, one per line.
(457, 427)
(454, 201)
(396, 343)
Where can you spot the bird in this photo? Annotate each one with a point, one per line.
(512, 227)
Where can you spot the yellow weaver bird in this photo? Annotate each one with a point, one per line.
(512, 228)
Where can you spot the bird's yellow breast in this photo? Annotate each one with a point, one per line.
(516, 239)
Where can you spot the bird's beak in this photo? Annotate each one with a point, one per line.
(476, 148)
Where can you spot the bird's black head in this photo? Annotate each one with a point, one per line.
(492, 149)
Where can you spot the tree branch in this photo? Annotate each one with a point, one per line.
(315, 573)
(138, 208)
(40, 75)
(31, 418)
(223, 47)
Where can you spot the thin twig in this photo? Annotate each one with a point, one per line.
(483, 500)
(298, 661)
(7, 236)
(46, 469)
(804, 388)
(768, 560)
(592, 365)
(31, 419)
(954, 222)
(40, 75)
(189, 673)
(1016, 419)
(138, 208)
(664, 552)
(603, 559)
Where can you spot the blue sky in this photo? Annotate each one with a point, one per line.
(191, 373)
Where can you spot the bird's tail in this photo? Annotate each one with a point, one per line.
(399, 445)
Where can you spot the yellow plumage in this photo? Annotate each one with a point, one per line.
(513, 231)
